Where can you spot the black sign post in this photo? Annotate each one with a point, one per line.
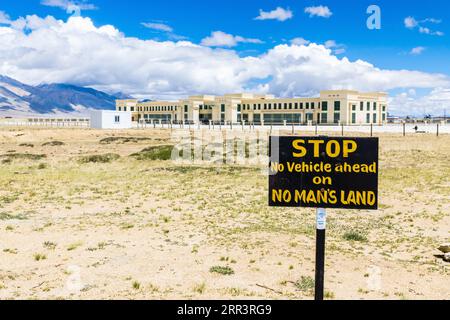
(323, 172)
(320, 252)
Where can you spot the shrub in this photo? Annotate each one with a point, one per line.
(354, 236)
(305, 283)
(136, 285)
(227, 271)
(123, 140)
(99, 158)
(53, 144)
(28, 145)
(8, 158)
(7, 216)
(42, 166)
(155, 153)
(39, 257)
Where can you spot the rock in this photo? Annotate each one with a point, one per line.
(447, 256)
(445, 248)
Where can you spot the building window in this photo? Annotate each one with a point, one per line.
(354, 117)
(368, 106)
(290, 105)
(324, 106)
(312, 105)
(124, 108)
(374, 118)
(368, 118)
(384, 108)
(361, 106)
(132, 109)
(324, 118)
(222, 108)
(239, 108)
(307, 105)
(374, 106)
(296, 105)
(120, 109)
(337, 117)
(337, 106)
(384, 117)
(354, 107)
(117, 119)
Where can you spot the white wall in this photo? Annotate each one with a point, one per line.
(104, 119)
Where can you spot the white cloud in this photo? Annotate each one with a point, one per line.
(319, 11)
(412, 23)
(4, 18)
(279, 14)
(68, 5)
(337, 48)
(417, 50)
(407, 103)
(300, 41)
(78, 52)
(157, 26)
(426, 30)
(222, 39)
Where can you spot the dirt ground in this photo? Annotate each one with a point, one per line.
(153, 229)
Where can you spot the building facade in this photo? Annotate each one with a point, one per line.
(331, 107)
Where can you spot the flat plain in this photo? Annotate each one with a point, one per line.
(80, 218)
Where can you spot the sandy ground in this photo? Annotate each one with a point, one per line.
(141, 229)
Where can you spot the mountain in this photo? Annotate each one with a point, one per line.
(19, 99)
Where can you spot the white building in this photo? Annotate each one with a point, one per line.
(105, 119)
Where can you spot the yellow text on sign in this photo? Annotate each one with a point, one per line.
(332, 148)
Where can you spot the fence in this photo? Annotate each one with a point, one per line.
(47, 122)
(371, 130)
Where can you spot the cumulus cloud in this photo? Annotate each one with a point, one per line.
(407, 102)
(36, 50)
(417, 51)
(336, 47)
(319, 11)
(279, 14)
(4, 18)
(222, 39)
(300, 41)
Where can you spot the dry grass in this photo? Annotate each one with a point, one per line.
(168, 225)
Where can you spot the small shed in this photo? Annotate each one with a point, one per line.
(106, 119)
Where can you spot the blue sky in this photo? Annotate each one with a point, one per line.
(420, 44)
(196, 19)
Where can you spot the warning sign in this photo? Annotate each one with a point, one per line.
(323, 172)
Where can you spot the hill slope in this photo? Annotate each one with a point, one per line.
(19, 99)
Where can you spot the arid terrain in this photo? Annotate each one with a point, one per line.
(114, 226)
